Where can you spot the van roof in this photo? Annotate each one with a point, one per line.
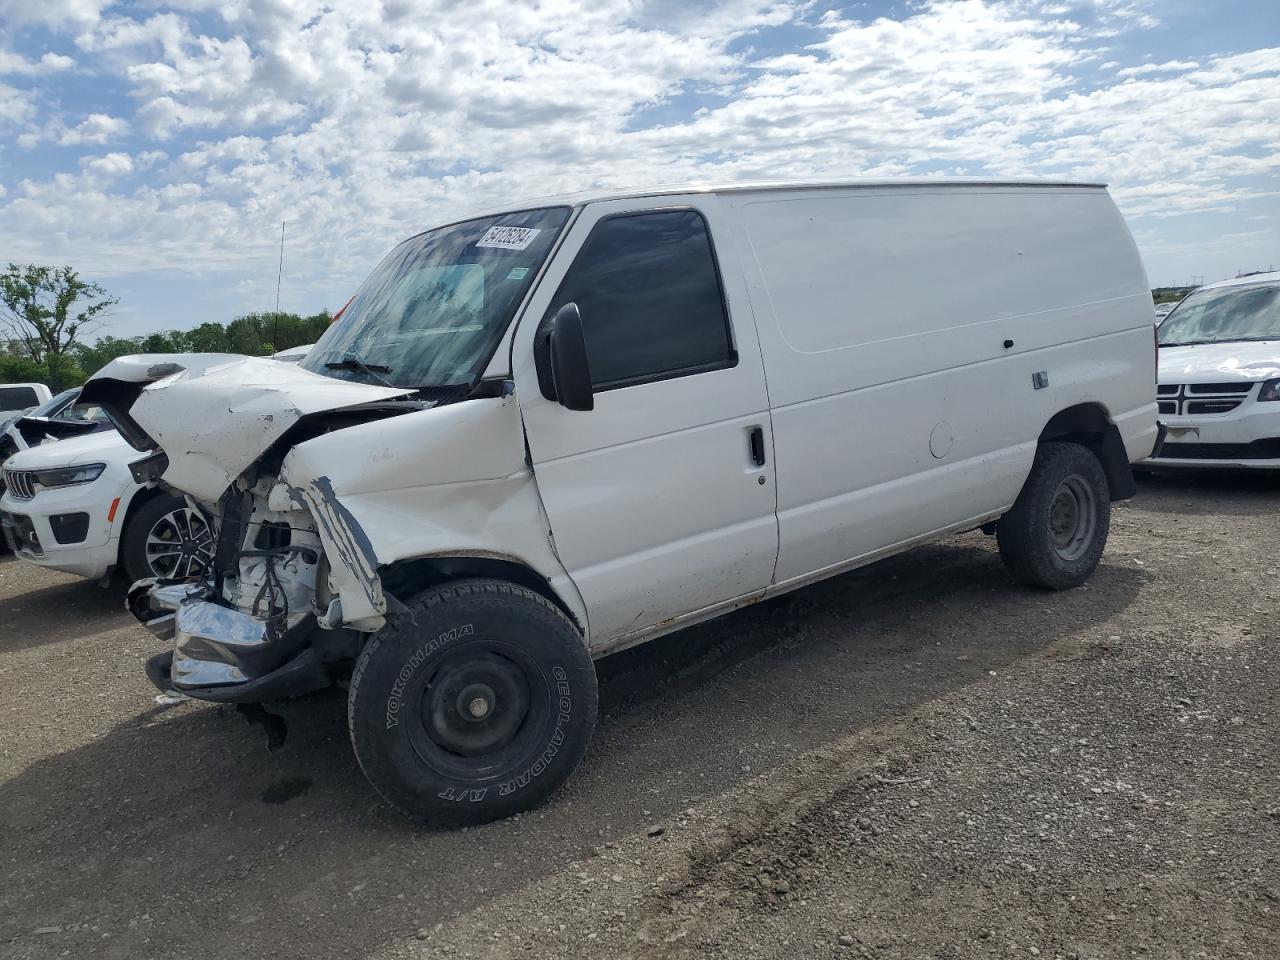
(750, 186)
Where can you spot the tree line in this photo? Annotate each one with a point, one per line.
(48, 313)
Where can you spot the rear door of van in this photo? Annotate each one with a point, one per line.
(660, 499)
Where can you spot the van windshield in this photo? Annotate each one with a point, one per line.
(433, 310)
(1250, 312)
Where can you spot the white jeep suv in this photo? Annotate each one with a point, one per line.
(75, 506)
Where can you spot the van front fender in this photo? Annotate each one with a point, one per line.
(449, 481)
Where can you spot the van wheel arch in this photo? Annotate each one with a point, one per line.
(408, 577)
(1089, 425)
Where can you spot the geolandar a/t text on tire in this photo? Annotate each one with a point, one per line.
(563, 428)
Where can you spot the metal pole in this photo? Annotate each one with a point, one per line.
(280, 270)
(275, 320)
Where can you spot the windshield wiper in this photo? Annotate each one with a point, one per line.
(352, 362)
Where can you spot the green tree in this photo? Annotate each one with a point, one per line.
(93, 358)
(48, 310)
(15, 369)
(254, 334)
(208, 338)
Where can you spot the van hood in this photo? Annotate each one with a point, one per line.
(101, 447)
(214, 414)
(1220, 362)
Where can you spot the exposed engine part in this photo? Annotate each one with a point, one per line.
(276, 562)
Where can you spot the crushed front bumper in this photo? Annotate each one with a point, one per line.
(221, 654)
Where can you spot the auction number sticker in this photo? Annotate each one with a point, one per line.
(508, 238)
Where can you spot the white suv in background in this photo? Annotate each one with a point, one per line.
(74, 506)
(1219, 380)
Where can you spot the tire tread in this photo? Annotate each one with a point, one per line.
(519, 598)
(1021, 533)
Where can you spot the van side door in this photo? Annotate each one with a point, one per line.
(660, 499)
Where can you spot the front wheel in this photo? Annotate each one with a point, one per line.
(1054, 534)
(475, 704)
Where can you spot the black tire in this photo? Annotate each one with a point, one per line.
(1054, 534)
(192, 552)
(476, 704)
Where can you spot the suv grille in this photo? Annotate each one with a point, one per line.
(20, 484)
(1200, 398)
(1209, 406)
(1220, 388)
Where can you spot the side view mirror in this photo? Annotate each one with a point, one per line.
(570, 374)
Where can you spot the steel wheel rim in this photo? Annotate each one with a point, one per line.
(1073, 517)
(179, 545)
(521, 707)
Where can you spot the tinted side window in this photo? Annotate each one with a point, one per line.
(17, 398)
(649, 293)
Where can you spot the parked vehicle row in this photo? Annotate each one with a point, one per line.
(564, 428)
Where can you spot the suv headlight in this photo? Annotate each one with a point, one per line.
(1270, 390)
(67, 476)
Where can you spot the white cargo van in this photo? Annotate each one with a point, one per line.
(563, 428)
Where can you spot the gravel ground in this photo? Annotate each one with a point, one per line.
(916, 760)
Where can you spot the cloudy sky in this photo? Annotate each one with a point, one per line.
(158, 146)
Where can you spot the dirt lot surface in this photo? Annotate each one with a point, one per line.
(916, 760)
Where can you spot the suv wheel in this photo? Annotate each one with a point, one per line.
(166, 539)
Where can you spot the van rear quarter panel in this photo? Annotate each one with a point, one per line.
(883, 314)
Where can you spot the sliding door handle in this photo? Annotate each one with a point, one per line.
(755, 440)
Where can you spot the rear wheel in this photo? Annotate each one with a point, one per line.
(476, 704)
(1054, 534)
(165, 538)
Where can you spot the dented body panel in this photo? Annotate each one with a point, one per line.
(214, 414)
(449, 481)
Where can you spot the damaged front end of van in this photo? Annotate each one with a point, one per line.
(316, 487)
(387, 455)
(227, 432)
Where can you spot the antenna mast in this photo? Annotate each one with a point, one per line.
(280, 269)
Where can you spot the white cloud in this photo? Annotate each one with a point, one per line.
(15, 105)
(96, 128)
(1170, 66)
(359, 123)
(52, 13)
(14, 64)
(108, 165)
